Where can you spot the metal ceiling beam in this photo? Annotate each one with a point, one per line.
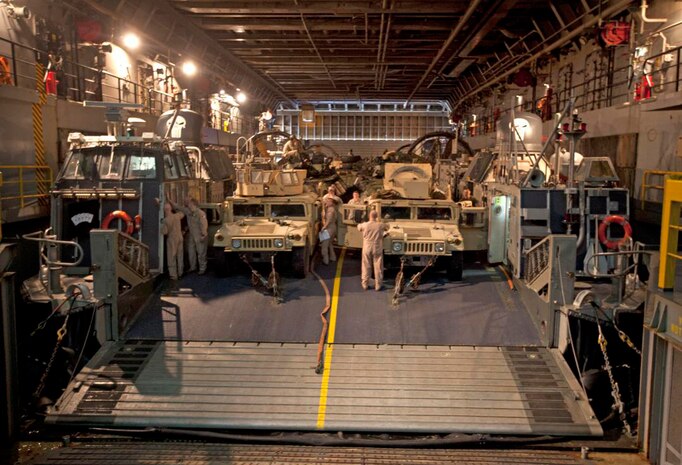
(317, 7)
(225, 24)
(488, 23)
(460, 25)
(589, 21)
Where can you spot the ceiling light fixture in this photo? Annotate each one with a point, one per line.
(131, 41)
(189, 68)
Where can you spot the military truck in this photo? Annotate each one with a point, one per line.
(269, 214)
(422, 220)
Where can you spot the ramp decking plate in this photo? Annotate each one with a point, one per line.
(368, 388)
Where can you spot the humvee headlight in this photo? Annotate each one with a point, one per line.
(440, 247)
(236, 243)
(219, 237)
(278, 243)
(397, 246)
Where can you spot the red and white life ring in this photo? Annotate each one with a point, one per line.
(123, 216)
(604, 225)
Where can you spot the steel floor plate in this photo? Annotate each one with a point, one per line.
(480, 310)
(135, 453)
(391, 388)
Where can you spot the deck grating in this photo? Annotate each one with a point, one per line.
(398, 388)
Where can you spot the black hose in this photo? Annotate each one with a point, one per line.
(327, 440)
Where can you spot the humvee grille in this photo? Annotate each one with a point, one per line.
(258, 244)
(419, 247)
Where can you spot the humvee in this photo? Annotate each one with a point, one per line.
(270, 213)
(421, 226)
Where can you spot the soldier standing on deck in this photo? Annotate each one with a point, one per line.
(372, 250)
(198, 234)
(172, 228)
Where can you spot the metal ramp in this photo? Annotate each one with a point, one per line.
(386, 388)
(136, 453)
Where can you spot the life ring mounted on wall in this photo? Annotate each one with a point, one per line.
(123, 216)
(616, 243)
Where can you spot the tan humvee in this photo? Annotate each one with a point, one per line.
(420, 226)
(270, 213)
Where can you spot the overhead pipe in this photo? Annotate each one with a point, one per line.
(384, 68)
(310, 38)
(613, 9)
(455, 32)
(642, 12)
(380, 45)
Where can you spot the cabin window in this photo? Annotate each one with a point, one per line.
(182, 168)
(395, 213)
(111, 166)
(248, 210)
(170, 167)
(287, 210)
(80, 166)
(434, 213)
(355, 214)
(141, 167)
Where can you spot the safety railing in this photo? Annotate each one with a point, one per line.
(134, 254)
(21, 185)
(656, 185)
(19, 68)
(607, 85)
(537, 260)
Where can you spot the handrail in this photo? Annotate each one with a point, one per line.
(125, 90)
(42, 185)
(42, 238)
(645, 186)
(624, 272)
(591, 94)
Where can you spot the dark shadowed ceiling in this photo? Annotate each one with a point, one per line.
(291, 51)
(386, 49)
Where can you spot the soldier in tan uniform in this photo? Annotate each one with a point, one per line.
(198, 234)
(172, 229)
(372, 250)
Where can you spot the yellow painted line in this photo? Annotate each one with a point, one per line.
(324, 386)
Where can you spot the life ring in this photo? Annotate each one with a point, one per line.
(5, 72)
(119, 214)
(604, 225)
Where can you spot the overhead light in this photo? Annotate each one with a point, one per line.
(222, 92)
(189, 68)
(131, 41)
(241, 97)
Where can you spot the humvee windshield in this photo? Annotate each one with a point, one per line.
(395, 213)
(434, 213)
(248, 210)
(289, 210)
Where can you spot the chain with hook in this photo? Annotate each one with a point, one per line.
(61, 332)
(615, 390)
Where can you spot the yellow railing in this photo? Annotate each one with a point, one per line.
(656, 186)
(670, 229)
(30, 183)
